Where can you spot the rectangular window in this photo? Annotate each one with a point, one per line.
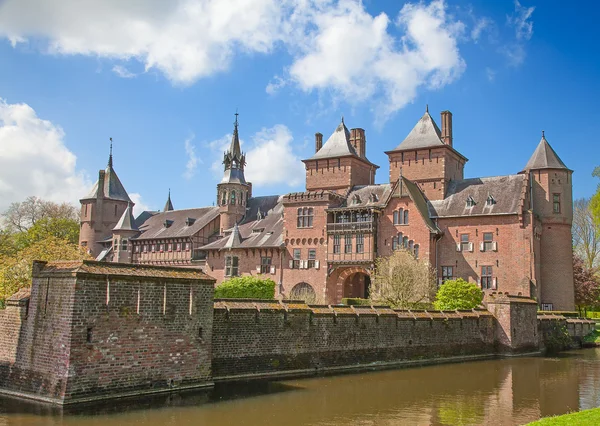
(187, 246)
(231, 266)
(162, 248)
(124, 245)
(136, 249)
(394, 243)
(153, 246)
(265, 265)
(336, 244)
(178, 246)
(348, 243)
(305, 217)
(464, 242)
(547, 307)
(360, 243)
(447, 273)
(145, 248)
(488, 241)
(170, 247)
(312, 256)
(297, 256)
(486, 277)
(556, 203)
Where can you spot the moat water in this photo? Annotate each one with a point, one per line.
(509, 391)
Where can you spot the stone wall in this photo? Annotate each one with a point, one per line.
(256, 339)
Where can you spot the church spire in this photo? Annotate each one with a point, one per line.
(110, 160)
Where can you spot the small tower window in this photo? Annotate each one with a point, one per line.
(223, 198)
(232, 201)
(115, 210)
(556, 203)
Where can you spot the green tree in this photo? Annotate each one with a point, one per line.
(402, 281)
(458, 294)
(595, 201)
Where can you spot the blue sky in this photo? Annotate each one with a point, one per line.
(163, 79)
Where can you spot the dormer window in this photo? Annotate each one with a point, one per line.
(490, 200)
(189, 221)
(168, 223)
(373, 198)
(355, 199)
(471, 202)
(259, 215)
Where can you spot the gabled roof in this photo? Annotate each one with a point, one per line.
(181, 223)
(127, 222)
(113, 188)
(506, 192)
(544, 157)
(405, 186)
(425, 134)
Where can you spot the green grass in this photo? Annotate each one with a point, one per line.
(594, 336)
(586, 417)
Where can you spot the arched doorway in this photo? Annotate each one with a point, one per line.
(303, 291)
(355, 283)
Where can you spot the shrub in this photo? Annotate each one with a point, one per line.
(246, 288)
(356, 301)
(458, 294)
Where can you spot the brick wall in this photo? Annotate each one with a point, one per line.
(338, 174)
(258, 339)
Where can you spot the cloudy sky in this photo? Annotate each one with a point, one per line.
(164, 78)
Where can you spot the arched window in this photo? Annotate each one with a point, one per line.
(396, 219)
(400, 216)
(223, 198)
(405, 217)
(232, 201)
(303, 291)
(417, 251)
(394, 243)
(411, 245)
(405, 242)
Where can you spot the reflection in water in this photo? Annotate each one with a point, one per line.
(500, 392)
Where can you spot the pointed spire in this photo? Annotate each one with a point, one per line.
(234, 148)
(427, 108)
(234, 239)
(110, 160)
(168, 204)
(127, 222)
(544, 157)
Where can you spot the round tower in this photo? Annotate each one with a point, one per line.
(552, 205)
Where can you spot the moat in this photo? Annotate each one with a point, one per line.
(509, 391)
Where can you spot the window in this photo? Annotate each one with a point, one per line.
(405, 221)
(547, 307)
(187, 246)
(145, 248)
(417, 251)
(348, 243)
(231, 266)
(153, 246)
(115, 210)
(405, 242)
(464, 242)
(305, 217)
(312, 257)
(265, 265)
(447, 273)
(486, 277)
(84, 244)
(170, 247)
(136, 249)
(360, 243)
(396, 217)
(556, 203)
(297, 256)
(395, 243)
(470, 201)
(223, 198)
(85, 210)
(162, 248)
(178, 246)
(232, 200)
(490, 200)
(488, 241)
(336, 244)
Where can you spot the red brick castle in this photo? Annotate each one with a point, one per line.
(510, 234)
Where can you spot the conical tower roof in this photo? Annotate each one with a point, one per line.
(338, 144)
(168, 204)
(234, 240)
(127, 222)
(425, 134)
(113, 188)
(544, 157)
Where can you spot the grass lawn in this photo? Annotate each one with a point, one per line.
(594, 336)
(586, 417)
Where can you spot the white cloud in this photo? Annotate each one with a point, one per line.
(192, 158)
(123, 72)
(34, 159)
(270, 158)
(490, 74)
(352, 53)
(521, 21)
(480, 26)
(140, 206)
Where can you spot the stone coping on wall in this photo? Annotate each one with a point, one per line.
(20, 298)
(125, 270)
(495, 297)
(260, 305)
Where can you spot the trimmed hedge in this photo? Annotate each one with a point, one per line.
(356, 301)
(457, 294)
(246, 288)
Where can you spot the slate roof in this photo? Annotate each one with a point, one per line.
(425, 134)
(127, 222)
(113, 188)
(233, 175)
(365, 192)
(506, 191)
(144, 216)
(257, 233)
(169, 204)
(154, 227)
(544, 157)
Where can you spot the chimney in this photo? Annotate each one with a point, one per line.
(318, 141)
(359, 142)
(100, 193)
(447, 127)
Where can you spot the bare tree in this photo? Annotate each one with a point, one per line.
(586, 235)
(402, 281)
(22, 216)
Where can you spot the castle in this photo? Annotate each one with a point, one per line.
(509, 234)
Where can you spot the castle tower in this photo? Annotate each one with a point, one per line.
(102, 208)
(341, 162)
(552, 206)
(233, 191)
(427, 156)
(122, 233)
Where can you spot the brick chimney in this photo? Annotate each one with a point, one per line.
(101, 174)
(447, 127)
(318, 141)
(359, 141)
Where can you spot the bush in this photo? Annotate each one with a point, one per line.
(356, 301)
(458, 294)
(246, 288)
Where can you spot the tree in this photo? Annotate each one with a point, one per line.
(587, 286)
(458, 294)
(15, 271)
(402, 281)
(586, 234)
(595, 201)
(19, 217)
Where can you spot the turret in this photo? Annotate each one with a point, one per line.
(101, 209)
(233, 191)
(124, 230)
(551, 194)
